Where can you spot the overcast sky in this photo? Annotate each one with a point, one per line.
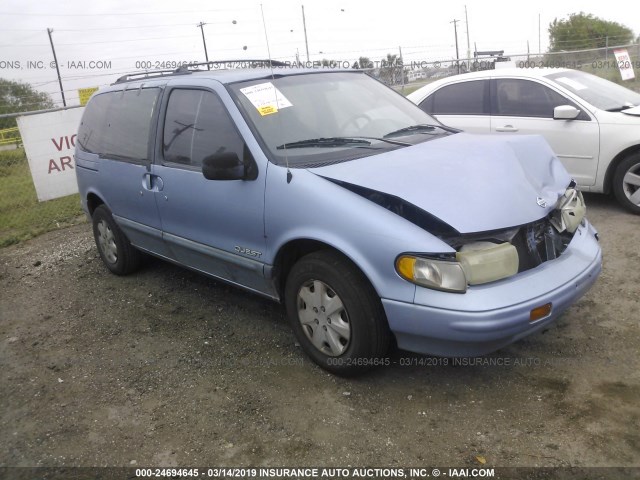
(125, 32)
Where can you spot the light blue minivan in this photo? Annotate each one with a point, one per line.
(373, 223)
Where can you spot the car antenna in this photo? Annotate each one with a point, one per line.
(275, 94)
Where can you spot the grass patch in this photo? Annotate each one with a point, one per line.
(412, 87)
(21, 215)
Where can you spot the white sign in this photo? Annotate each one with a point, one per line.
(49, 141)
(624, 64)
(266, 98)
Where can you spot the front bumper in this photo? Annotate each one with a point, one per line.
(491, 316)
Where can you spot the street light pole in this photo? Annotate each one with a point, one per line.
(466, 19)
(304, 24)
(455, 29)
(204, 42)
(539, 37)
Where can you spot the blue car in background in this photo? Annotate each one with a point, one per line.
(368, 219)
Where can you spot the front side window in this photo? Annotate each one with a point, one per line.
(464, 98)
(196, 126)
(118, 124)
(524, 98)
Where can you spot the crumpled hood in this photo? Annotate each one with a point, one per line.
(474, 183)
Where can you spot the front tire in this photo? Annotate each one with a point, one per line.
(336, 314)
(114, 247)
(626, 183)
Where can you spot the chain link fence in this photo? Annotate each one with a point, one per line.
(407, 75)
(22, 216)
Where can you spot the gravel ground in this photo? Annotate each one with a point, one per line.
(169, 368)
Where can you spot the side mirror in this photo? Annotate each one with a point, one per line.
(223, 166)
(565, 112)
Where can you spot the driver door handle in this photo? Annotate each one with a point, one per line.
(506, 128)
(152, 182)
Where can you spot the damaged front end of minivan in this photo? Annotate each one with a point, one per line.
(519, 246)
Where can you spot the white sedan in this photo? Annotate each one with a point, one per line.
(592, 125)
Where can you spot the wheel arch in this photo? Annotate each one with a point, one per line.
(93, 202)
(293, 250)
(611, 169)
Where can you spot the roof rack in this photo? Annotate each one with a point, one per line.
(152, 74)
(192, 67)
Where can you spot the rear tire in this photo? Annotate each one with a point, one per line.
(626, 183)
(336, 314)
(114, 247)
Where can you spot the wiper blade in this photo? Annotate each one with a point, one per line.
(423, 127)
(325, 142)
(626, 106)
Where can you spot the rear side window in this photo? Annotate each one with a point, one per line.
(117, 124)
(196, 126)
(464, 98)
(94, 124)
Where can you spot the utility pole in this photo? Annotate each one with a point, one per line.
(401, 67)
(466, 19)
(304, 24)
(455, 30)
(539, 37)
(204, 42)
(55, 59)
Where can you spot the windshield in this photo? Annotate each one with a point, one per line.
(320, 118)
(600, 93)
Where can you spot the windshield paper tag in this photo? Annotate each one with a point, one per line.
(266, 98)
(571, 83)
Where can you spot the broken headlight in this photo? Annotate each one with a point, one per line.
(569, 212)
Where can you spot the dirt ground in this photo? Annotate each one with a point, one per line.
(169, 368)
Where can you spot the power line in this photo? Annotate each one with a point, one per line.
(225, 10)
(28, 45)
(125, 41)
(105, 41)
(166, 25)
(92, 29)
